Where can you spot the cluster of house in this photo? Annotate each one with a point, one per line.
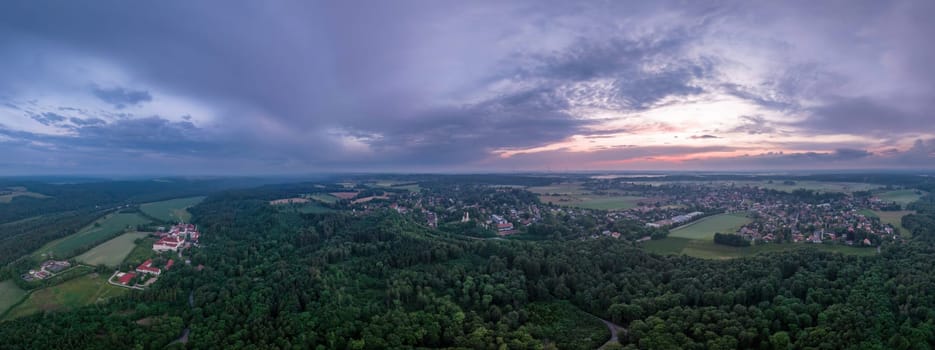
(179, 236)
(504, 227)
(837, 221)
(146, 268)
(47, 269)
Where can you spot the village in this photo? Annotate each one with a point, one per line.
(176, 239)
(774, 216)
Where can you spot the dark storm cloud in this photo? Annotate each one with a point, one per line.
(151, 134)
(121, 97)
(400, 84)
(860, 116)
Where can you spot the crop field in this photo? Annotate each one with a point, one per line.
(705, 228)
(104, 228)
(81, 291)
(706, 249)
(10, 294)
(112, 252)
(171, 210)
(901, 197)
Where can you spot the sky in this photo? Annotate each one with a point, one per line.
(292, 87)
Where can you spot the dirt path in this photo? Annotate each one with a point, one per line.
(614, 331)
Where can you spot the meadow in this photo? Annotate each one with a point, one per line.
(705, 228)
(172, 210)
(901, 197)
(10, 294)
(81, 291)
(112, 252)
(706, 249)
(104, 228)
(573, 195)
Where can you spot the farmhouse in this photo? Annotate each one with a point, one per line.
(168, 243)
(125, 278)
(147, 267)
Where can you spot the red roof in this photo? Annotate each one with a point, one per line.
(148, 266)
(169, 264)
(127, 277)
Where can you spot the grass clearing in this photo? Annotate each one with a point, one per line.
(709, 250)
(112, 252)
(81, 291)
(104, 228)
(324, 198)
(172, 210)
(10, 294)
(705, 228)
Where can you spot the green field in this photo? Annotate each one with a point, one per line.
(102, 229)
(112, 252)
(562, 188)
(894, 218)
(81, 291)
(901, 197)
(705, 228)
(141, 252)
(10, 294)
(172, 210)
(709, 250)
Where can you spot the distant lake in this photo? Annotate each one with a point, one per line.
(609, 177)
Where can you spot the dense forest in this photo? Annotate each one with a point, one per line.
(269, 277)
(280, 279)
